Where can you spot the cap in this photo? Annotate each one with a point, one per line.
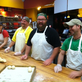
(42, 14)
(1, 24)
(26, 18)
(73, 22)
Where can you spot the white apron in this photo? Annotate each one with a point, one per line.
(41, 49)
(2, 40)
(20, 41)
(74, 58)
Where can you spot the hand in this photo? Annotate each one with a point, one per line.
(74, 74)
(17, 53)
(57, 68)
(47, 62)
(24, 57)
(7, 49)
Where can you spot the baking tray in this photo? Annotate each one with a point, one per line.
(20, 72)
(2, 66)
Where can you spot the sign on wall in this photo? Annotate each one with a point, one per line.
(74, 4)
(60, 6)
(64, 5)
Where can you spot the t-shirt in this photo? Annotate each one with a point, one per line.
(5, 33)
(27, 33)
(74, 45)
(51, 34)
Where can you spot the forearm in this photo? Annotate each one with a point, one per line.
(2, 45)
(58, 67)
(11, 44)
(80, 72)
(61, 57)
(75, 74)
(54, 53)
(27, 50)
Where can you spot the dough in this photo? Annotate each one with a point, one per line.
(4, 60)
(13, 67)
(29, 69)
(0, 58)
(6, 51)
(9, 67)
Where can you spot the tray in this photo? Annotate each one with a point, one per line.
(17, 74)
(2, 66)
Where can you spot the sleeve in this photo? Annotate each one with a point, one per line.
(5, 33)
(65, 44)
(27, 34)
(53, 37)
(30, 37)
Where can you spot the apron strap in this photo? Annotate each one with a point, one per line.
(25, 29)
(70, 42)
(45, 29)
(80, 43)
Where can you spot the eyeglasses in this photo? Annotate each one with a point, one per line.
(41, 19)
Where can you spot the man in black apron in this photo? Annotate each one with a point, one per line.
(44, 42)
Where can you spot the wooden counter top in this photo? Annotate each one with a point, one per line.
(46, 73)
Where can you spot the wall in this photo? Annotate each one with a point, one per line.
(5, 11)
(80, 12)
(19, 12)
(36, 3)
(29, 5)
(12, 3)
(32, 13)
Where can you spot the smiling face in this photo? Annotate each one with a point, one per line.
(74, 29)
(41, 23)
(24, 23)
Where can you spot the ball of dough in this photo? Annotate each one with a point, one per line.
(13, 67)
(0, 58)
(6, 51)
(29, 69)
(4, 60)
(9, 67)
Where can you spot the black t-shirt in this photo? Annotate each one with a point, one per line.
(51, 34)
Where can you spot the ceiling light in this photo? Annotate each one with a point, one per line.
(65, 17)
(78, 15)
(39, 8)
(49, 4)
(68, 16)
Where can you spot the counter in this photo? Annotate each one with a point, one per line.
(43, 73)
